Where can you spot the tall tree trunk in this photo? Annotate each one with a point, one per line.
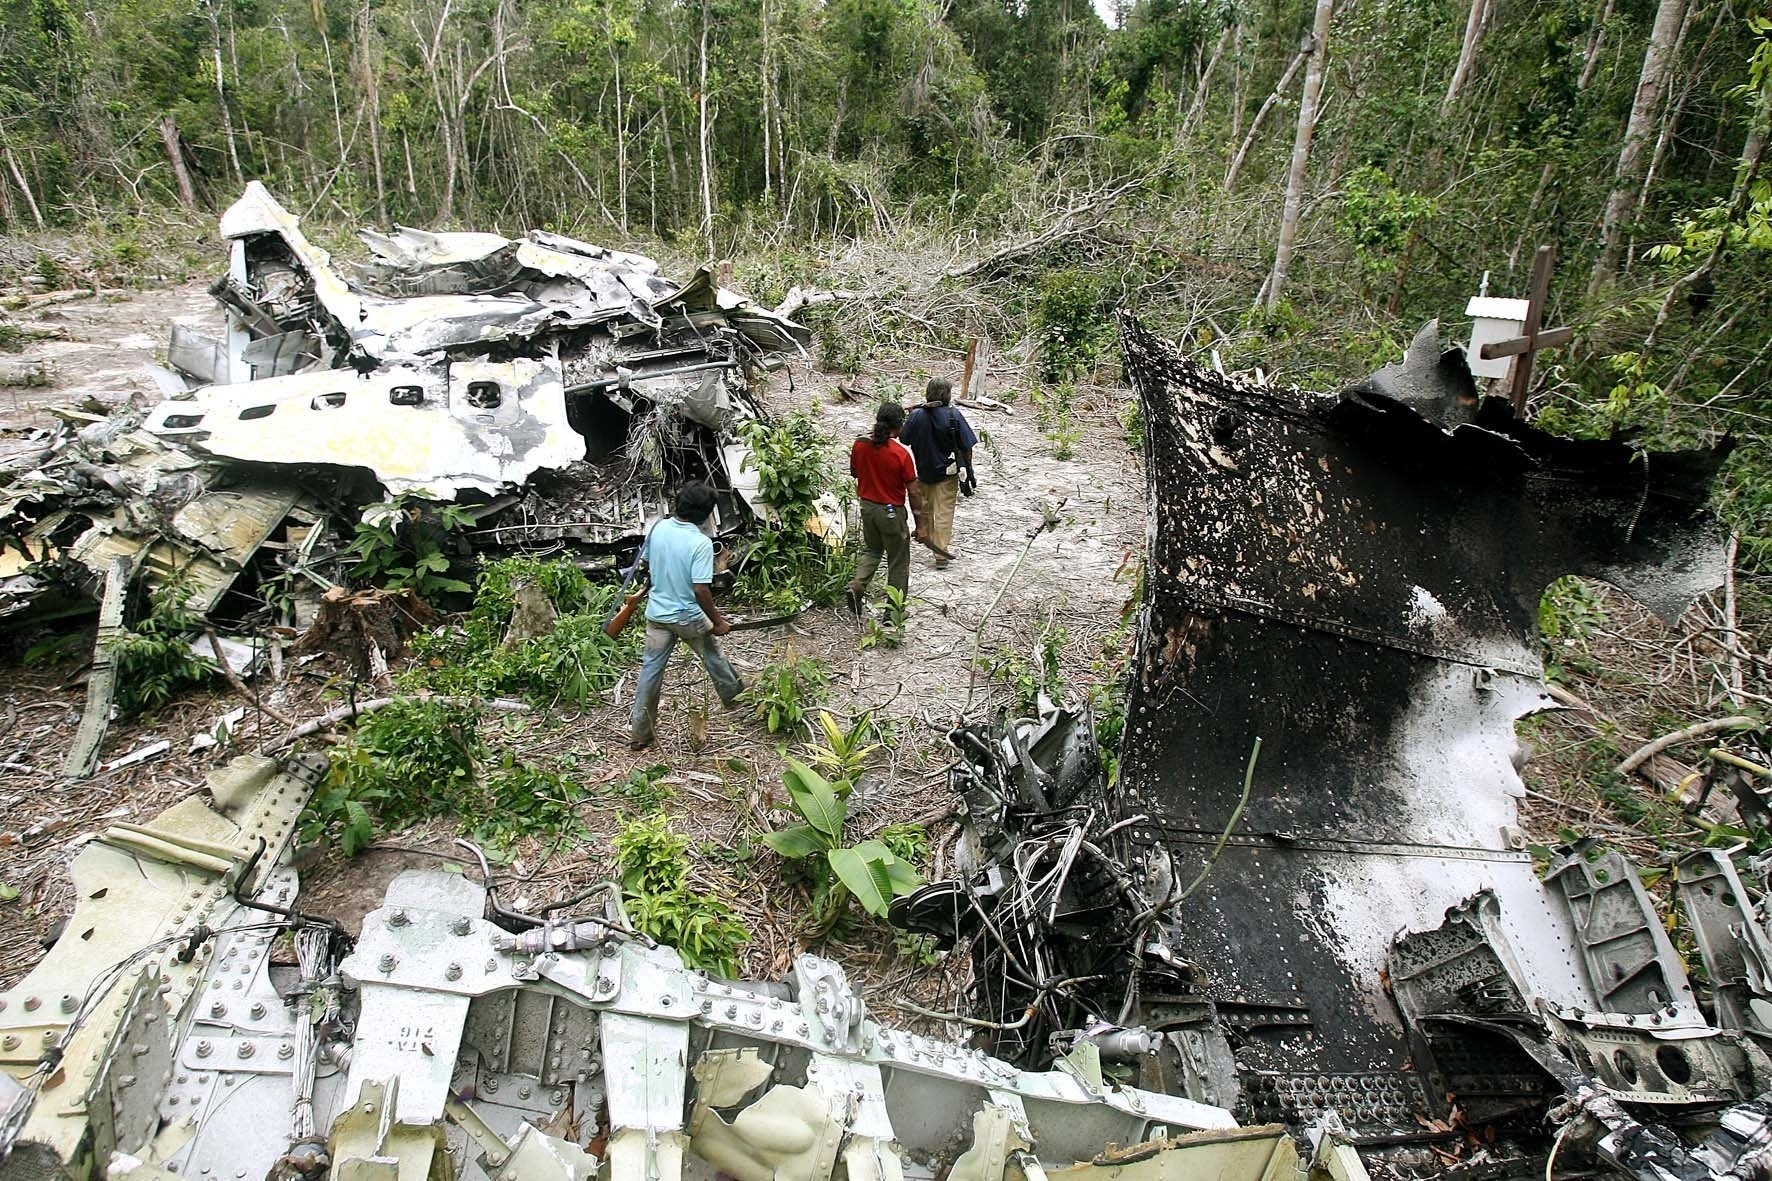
(175, 156)
(221, 90)
(764, 102)
(1467, 55)
(707, 165)
(1202, 85)
(621, 139)
(1621, 206)
(1596, 42)
(1301, 151)
(18, 174)
(372, 91)
(1298, 59)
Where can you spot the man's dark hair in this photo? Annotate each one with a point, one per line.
(888, 418)
(695, 502)
(940, 389)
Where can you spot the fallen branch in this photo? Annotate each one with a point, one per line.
(1699, 730)
(805, 297)
(357, 709)
(239, 686)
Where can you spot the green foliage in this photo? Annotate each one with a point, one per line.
(1132, 423)
(1379, 219)
(12, 337)
(782, 570)
(888, 630)
(872, 873)
(1569, 612)
(786, 690)
(791, 458)
(643, 792)
(1054, 411)
(844, 752)
(1071, 322)
(652, 859)
(522, 800)
(154, 659)
(400, 543)
(408, 761)
(1030, 675)
(575, 663)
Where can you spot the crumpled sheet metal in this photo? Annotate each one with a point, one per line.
(431, 429)
(1356, 584)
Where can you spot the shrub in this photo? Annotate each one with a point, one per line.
(408, 761)
(872, 873)
(1071, 323)
(786, 691)
(154, 658)
(653, 862)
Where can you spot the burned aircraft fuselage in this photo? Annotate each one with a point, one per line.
(1356, 584)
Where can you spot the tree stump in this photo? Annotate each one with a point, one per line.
(365, 628)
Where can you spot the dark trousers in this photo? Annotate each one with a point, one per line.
(885, 533)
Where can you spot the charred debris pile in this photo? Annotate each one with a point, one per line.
(556, 392)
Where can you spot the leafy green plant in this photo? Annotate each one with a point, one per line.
(1057, 418)
(786, 691)
(642, 790)
(844, 752)
(154, 658)
(791, 457)
(784, 569)
(652, 859)
(1569, 612)
(575, 663)
(1070, 321)
(1132, 424)
(888, 630)
(871, 872)
(524, 800)
(400, 543)
(407, 761)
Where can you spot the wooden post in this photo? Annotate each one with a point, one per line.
(1541, 277)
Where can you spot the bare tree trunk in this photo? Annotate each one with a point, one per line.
(221, 91)
(1202, 86)
(764, 102)
(372, 91)
(18, 174)
(1298, 59)
(1301, 151)
(1621, 206)
(707, 168)
(1596, 41)
(621, 138)
(175, 156)
(1467, 56)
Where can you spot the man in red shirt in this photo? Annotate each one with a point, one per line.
(883, 469)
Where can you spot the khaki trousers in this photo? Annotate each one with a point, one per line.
(885, 533)
(935, 508)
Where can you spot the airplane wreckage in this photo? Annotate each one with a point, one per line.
(1298, 936)
(561, 390)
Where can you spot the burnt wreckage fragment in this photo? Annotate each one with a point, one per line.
(1348, 926)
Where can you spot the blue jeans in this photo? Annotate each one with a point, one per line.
(661, 641)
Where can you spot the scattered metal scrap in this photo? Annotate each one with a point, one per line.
(564, 389)
(193, 1022)
(1353, 927)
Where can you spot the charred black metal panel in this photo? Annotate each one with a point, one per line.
(1357, 584)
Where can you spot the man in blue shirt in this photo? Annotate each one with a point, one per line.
(680, 606)
(941, 441)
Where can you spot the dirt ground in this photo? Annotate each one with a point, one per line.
(725, 787)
